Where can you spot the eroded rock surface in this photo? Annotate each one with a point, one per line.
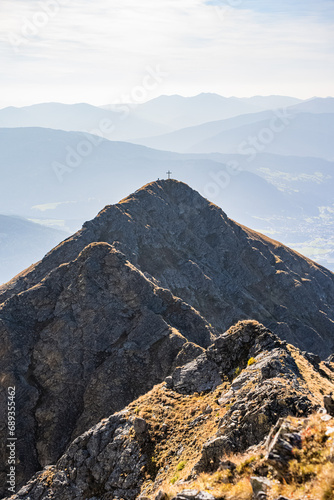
(226, 271)
(98, 322)
(105, 462)
(82, 344)
(113, 458)
(265, 385)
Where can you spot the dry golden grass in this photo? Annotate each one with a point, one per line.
(311, 380)
(176, 444)
(312, 471)
(175, 451)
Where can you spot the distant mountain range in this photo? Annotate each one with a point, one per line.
(22, 243)
(268, 167)
(316, 105)
(80, 117)
(289, 132)
(177, 111)
(127, 121)
(280, 195)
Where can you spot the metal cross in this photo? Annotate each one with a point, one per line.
(169, 173)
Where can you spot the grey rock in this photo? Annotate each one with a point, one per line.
(164, 428)
(263, 392)
(211, 454)
(74, 347)
(112, 468)
(329, 404)
(197, 376)
(140, 426)
(169, 382)
(193, 495)
(314, 359)
(208, 410)
(280, 444)
(188, 353)
(227, 464)
(260, 485)
(225, 270)
(161, 496)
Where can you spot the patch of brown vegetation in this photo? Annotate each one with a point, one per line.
(176, 437)
(311, 472)
(311, 380)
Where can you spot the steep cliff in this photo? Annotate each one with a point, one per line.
(166, 439)
(82, 344)
(138, 292)
(226, 271)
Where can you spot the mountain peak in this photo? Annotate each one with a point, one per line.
(169, 189)
(226, 271)
(140, 290)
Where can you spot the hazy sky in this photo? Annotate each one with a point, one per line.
(102, 51)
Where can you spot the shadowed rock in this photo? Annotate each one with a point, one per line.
(82, 344)
(226, 271)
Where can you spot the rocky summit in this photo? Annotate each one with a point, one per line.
(255, 415)
(85, 342)
(226, 271)
(135, 305)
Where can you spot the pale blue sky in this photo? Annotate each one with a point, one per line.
(99, 52)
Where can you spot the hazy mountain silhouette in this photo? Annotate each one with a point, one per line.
(298, 134)
(80, 117)
(22, 243)
(177, 111)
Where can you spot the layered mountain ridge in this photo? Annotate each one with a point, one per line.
(139, 291)
(74, 345)
(216, 405)
(224, 270)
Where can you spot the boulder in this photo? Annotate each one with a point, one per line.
(329, 404)
(200, 375)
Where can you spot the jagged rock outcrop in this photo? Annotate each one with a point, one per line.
(281, 443)
(124, 456)
(330, 358)
(82, 344)
(107, 460)
(265, 385)
(131, 299)
(226, 271)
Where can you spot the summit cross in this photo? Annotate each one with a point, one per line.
(169, 173)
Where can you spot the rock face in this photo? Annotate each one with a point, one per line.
(82, 344)
(226, 271)
(131, 299)
(105, 460)
(114, 458)
(265, 385)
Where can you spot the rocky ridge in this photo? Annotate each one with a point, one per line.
(129, 301)
(172, 434)
(82, 344)
(224, 270)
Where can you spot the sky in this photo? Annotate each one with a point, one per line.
(106, 51)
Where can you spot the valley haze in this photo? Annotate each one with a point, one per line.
(267, 161)
(167, 250)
